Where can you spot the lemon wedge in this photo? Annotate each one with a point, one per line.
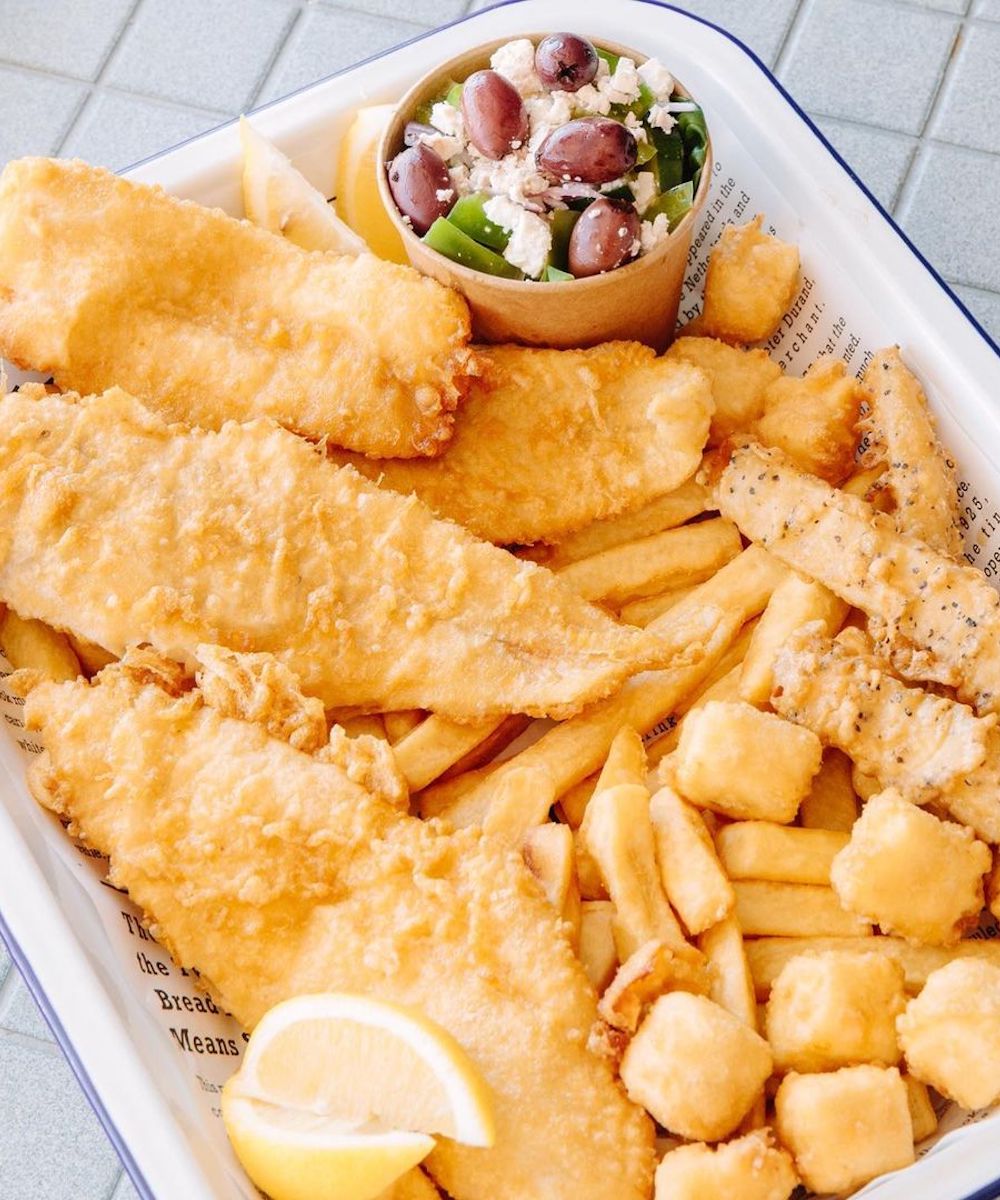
(278, 197)
(358, 199)
(338, 1096)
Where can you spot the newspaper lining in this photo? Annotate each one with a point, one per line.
(828, 317)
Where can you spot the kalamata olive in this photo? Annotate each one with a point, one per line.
(495, 116)
(421, 186)
(415, 130)
(565, 62)
(591, 149)
(603, 237)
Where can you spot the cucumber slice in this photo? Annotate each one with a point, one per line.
(562, 222)
(554, 275)
(609, 58)
(469, 214)
(647, 152)
(674, 203)
(449, 240)
(454, 95)
(640, 106)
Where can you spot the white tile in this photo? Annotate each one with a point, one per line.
(20, 1012)
(52, 1146)
(65, 36)
(760, 24)
(4, 961)
(867, 62)
(326, 40)
(989, 10)
(880, 159)
(968, 110)
(206, 53)
(116, 131)
(950, 211)
(35, 112)
(425, 12)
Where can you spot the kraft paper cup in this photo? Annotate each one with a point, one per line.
(636, 302)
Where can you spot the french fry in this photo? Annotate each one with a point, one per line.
(922, 1114)
(781, 853)
(732, 984)
(672, 559)
(796, 602)
(626, 761)
(434, 745)
(92, 658)
(596, 948)
(867, 484)
(485, 751)
(652, 970)
(399, 724)
(548, 854)
(618, 835)
(572, 804)
(767, 955)
(666, 512)
(697, 632)
(794, 910)
(369, 724)
(691, 874)
(641, 612)
(33, 645)
(832, 802)
(588, 873)
(521, 804)
(461, 801)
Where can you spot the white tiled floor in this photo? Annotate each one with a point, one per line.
(908, 90)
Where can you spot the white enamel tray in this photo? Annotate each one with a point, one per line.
(866, 286)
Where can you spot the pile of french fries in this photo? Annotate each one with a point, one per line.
(771, 893)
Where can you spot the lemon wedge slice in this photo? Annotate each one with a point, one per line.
(358, 199)
(278, 197)
(339, 1095)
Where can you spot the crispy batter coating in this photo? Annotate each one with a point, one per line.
(208, 319)
(813, 419)
(920, 474)
(551, 440)
(903, 736)
(941, 618)
(739, 381)
(124, 529)
(751, 281)
(275, 875)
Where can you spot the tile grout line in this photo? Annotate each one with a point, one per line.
(793, 35)
(94, 88)
(793, 20)
(276, 56)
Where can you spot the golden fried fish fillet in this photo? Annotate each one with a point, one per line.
(271, 873)
(940, 618)
(920, 474)
(550, 440)
(109, 283)
(123, 529)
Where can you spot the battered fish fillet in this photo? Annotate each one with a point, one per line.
(274, 875)
(551, 440)
(906, 738)
(920, 474)
(941, 618)
(109, 283)
(123, 529)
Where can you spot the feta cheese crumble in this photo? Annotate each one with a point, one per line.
(623, 86)
(652, 233)
(644, 190)
(516, 63)
(660, 118)
(447, 118)
(530, 235)
(657, 78)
